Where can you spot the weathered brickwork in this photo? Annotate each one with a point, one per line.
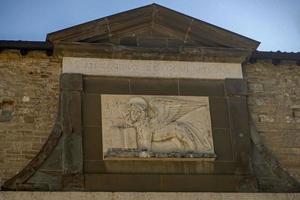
(29, 87)
(274, 105)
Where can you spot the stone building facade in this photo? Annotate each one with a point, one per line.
(30, 91)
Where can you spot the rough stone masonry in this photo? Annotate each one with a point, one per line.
(274, 105)
(29, 88)
(28, 105)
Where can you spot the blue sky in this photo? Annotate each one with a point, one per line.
(275, 23)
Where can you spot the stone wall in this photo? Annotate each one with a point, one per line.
(274, 105)
(29, 87)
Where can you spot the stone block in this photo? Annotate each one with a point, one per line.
(256, 87)
(5, 116)
(235, 87)
(71, 82)
(28, 119)
(265, 118)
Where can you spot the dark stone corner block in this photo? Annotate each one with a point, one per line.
(70, 81)
(235, 87)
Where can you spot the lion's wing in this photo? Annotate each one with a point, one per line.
(166, 110)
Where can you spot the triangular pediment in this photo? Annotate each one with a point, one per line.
(153, 26)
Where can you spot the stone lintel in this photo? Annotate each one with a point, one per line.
(152, 68)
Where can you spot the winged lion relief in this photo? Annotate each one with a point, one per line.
(162, 125)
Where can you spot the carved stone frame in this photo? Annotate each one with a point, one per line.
(227, 102)
(68, 160)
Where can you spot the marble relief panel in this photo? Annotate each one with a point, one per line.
(148, 126)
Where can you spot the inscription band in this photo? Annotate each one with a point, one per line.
(151, 68)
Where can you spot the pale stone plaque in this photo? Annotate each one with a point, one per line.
(152, 68)
(156, 127)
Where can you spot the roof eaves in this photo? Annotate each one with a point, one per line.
(28, 45)
(276, 55)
